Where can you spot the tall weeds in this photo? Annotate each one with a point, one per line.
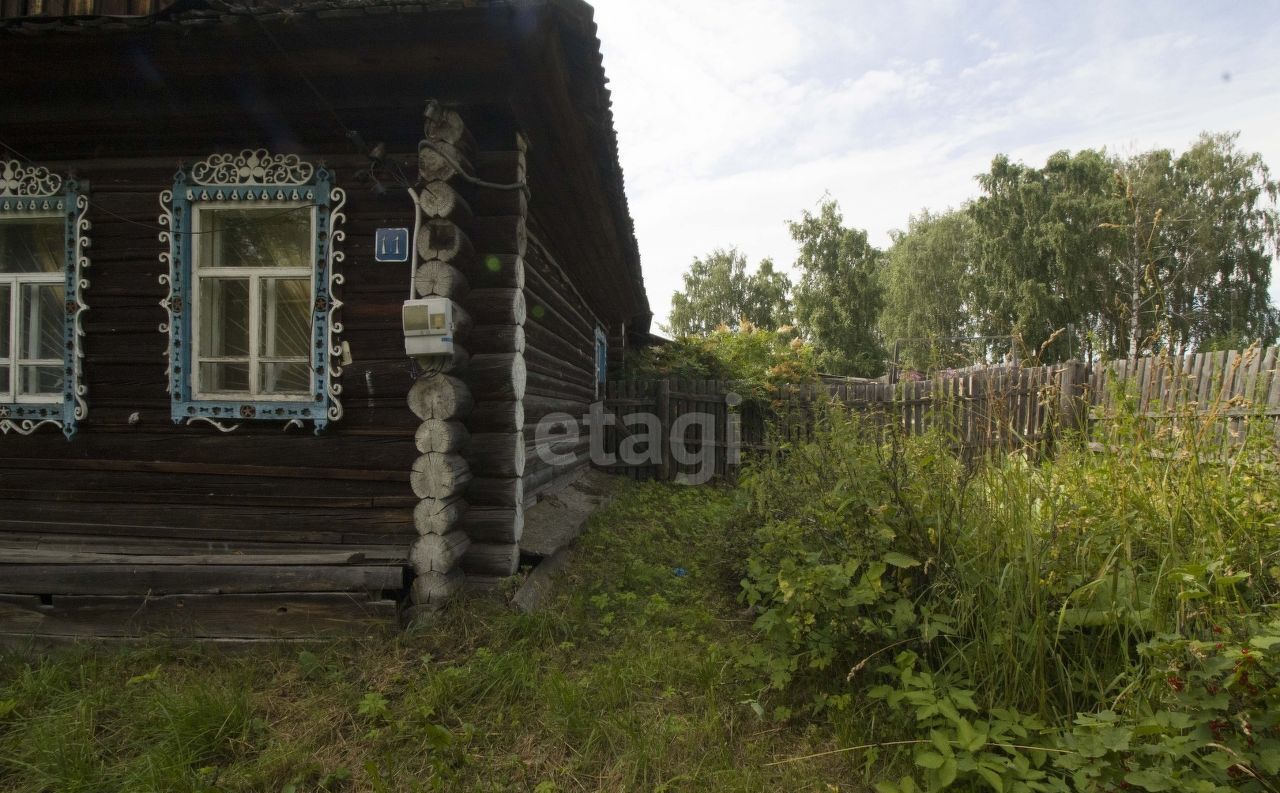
(1038, 586)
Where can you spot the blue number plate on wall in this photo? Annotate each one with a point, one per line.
(391, 245)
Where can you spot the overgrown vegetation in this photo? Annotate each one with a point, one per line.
(1098, 621)
(861, 611)
(627, 682)
(757, 359)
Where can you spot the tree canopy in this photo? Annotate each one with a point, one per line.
(1090, 254)
(839, 295)
(718, 292)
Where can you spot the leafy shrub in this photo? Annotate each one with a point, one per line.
(1070, 610)
(758, 359)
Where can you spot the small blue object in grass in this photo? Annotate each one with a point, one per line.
(680, 572)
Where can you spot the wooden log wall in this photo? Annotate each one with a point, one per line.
(443, 256)
(132, 480)
(498, 375)
(560, 331)
(472, 239)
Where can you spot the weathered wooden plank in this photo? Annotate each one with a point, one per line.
(173, 467)
(163, 579)
(196, 616)
(9, 556)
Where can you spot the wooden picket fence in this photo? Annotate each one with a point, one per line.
(996, 408)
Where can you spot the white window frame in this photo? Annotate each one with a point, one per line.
(9, 391)
(255, 276)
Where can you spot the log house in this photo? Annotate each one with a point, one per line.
(209, 425)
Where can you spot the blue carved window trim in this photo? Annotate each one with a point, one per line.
(35, 192)
(602, 360)
(259, 179)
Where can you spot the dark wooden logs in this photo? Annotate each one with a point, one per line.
(497, 339)
(438, 553)
(498, 377)
(438, 516)
(500, 560)
(462, 324)
(544, 384)
(487, 201)
(435, 589)
(497, 271)
(446, 126)
(538, 407)
(497, 306)
(443, 240)
(501, 235)
(440, 397)
(436, 435)
(453, 362)
(497, 454)
(439, 476)
(501, 167)
(439, 161)
(495, 524)
(436, 277)
(195, 579)
(439, 200)
(497, 417)
(496, 492)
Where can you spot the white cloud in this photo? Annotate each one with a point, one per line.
(734, 115)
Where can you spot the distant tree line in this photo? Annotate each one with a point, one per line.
(1090, 255)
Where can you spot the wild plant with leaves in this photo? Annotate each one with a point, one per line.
(1022, 624)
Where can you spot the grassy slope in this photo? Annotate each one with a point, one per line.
(627, 682)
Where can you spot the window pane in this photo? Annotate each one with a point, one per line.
(32, 245)
(267, 237)
(40, 321)
(6, 297)
(37, 380)
(4, 379)
(286, 318)
(286, 378)
(224, 377)
(224, 318)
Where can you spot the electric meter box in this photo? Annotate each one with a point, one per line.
(428, 326)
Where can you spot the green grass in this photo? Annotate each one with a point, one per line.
(628, 681)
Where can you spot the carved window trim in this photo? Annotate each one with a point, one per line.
(601, 361)
(31, 191)
(259, 179)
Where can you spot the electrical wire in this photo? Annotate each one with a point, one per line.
(426, 144)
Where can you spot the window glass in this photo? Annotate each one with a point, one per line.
(32, 245)
(40, 322)
(224, 334)
(6, 297)
(255, 326)
(285, 335)
(259, 237)
(286, 326)
(40, 339)
(6, 347)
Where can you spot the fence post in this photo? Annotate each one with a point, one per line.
(664, 420)
(1071, 408)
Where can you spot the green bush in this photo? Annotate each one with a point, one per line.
(1038, 604)
(759, 360)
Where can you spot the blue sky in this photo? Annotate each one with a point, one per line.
(734, 115)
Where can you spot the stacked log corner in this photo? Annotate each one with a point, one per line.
(441, 398)
(497, 374)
